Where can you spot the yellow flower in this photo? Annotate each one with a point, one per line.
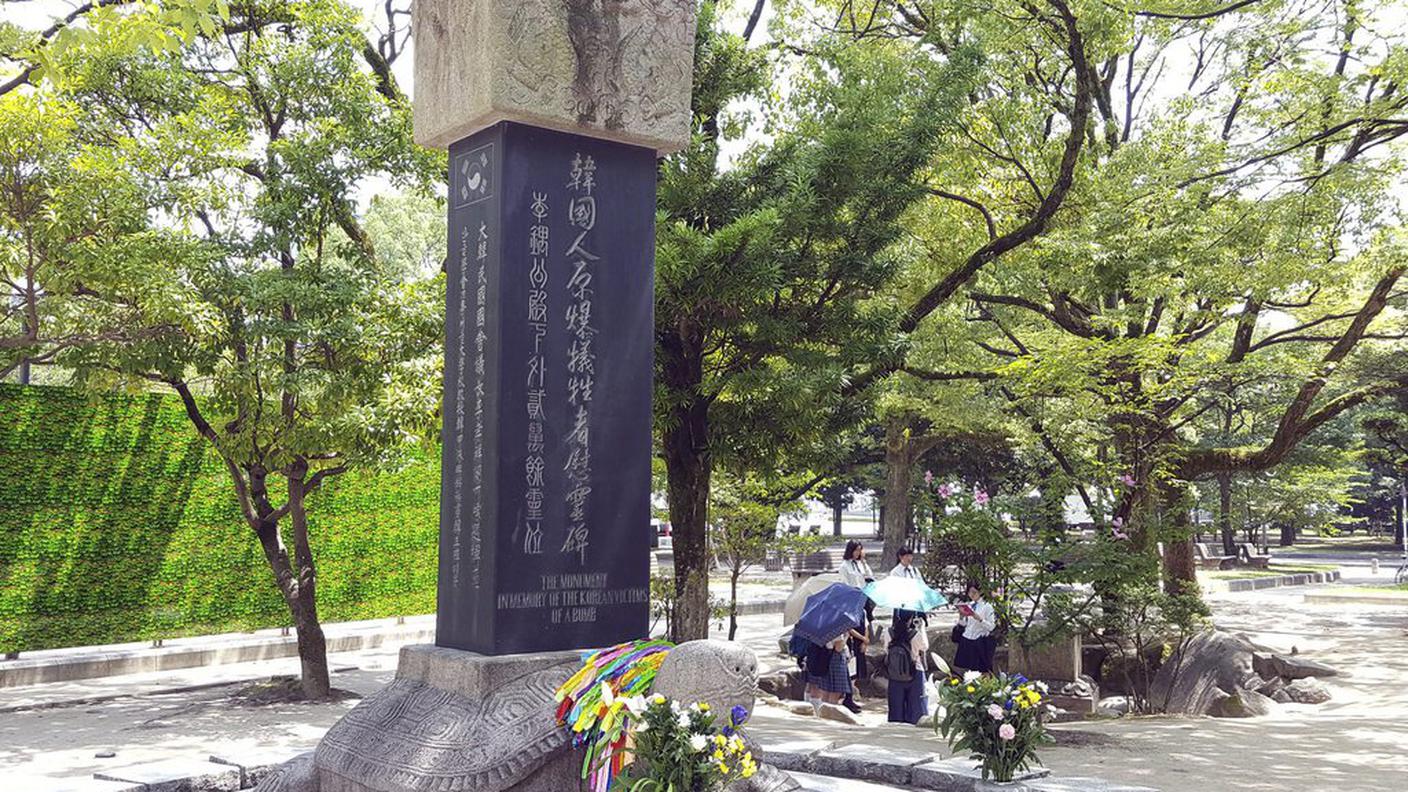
(723, 768)
(718, 756)
(953, 682)
(703, 706)
(719, 739)
(971, 688)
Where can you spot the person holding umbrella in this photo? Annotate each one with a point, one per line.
(855, 571)
(830, 617)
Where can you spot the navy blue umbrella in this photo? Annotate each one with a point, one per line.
(829, 613)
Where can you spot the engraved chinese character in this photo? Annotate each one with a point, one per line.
(578, 252)
(583, 175)
(538, 240)
(581, 213)
(533, 539)
(537, 306)
(540, 205)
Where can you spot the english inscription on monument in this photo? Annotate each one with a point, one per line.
(549, 335)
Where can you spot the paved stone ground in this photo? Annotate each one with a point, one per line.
(1356, 743)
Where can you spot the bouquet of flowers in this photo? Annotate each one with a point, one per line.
(998, 719)
(679, 748)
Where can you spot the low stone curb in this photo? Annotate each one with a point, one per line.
(1351, 597)
(1299, 579)
(760, 607)
(41, 670)
(916, 770)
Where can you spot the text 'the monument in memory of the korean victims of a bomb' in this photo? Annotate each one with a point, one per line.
(553, 122)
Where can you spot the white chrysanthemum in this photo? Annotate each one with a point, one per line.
(636, 705)
(698, 743)
(683, 720)
(969, 677)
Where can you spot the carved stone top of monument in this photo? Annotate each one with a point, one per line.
(718, 673)
(615, 69)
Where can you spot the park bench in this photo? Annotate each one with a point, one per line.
(1210, 558)
(1252, 557)
(806, 565)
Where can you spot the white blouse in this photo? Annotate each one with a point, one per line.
(855, 573)
(982, 623)
(910, 571)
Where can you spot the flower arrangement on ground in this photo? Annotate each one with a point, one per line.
(678, 748)
(997, 719)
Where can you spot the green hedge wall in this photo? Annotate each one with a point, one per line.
(117, 523)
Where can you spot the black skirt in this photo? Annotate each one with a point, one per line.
(975, 654)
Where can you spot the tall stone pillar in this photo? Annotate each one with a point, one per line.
(554, 113)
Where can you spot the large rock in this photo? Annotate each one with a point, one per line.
(1308, 691)
(835, 712)
(1242, 704)
(1289, 667)
(1212, 666)
(788, 685)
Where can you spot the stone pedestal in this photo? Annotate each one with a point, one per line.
(1057, 660)
(453, 721)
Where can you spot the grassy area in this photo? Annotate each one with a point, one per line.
(1276, 570)
(1403, 589)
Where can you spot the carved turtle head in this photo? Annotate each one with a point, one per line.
(719, 673)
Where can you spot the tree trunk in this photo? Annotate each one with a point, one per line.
(1180, 564)
(896, 512)
(836, 514)
(1224, 513)
(689, 469)
(1400, 527)
(733, 602)
(312, 646)
(1288, 535)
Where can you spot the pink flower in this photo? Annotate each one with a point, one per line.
(1007, 732)
(1118, 534)
(980, 497)
(1128, 480)
(928, 477)
(945, 491)
(1118, 522)
(995, 712)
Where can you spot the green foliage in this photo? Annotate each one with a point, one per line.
(117, 523)
(996, 719)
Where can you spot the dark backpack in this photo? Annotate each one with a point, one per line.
(899, 665)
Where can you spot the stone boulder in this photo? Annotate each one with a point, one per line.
(1308, 690)
(1289, 667)
(788, 685)
(1113, 706)
(1212, 666)
(1242, 704)
(835, 712)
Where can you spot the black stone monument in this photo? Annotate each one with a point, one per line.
(545, 489)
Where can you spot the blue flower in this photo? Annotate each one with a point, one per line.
(739, 714)
(1008, 705)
